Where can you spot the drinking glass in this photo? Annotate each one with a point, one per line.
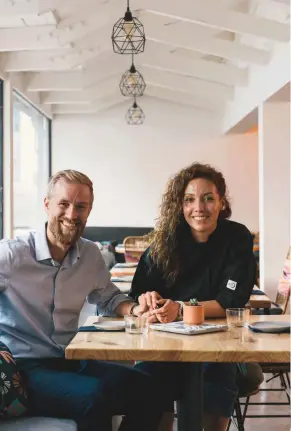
(237, 317)
(136, 324)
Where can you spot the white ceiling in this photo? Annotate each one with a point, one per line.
(196, 51)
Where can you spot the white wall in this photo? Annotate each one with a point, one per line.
(275, 189)
(130, 165)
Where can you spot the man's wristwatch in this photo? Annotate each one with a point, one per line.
(180, 313)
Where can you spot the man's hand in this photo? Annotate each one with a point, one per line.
(127, 307)
(149, 300)
(168, 312)
(140, 309)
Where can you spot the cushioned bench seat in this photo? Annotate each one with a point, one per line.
(46, 424)
(38, 424)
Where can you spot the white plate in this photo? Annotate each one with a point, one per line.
(110, 325)
(270, 326)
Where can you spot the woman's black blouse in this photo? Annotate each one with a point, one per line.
(221, 269)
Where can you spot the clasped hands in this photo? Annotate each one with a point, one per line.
(157, 309)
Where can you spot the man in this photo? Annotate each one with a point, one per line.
(45, 279)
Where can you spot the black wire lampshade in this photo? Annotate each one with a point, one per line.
(128, 35)
(135, 115)
(132, 83)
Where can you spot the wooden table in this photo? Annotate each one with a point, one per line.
(163, 346)
(241, 346)
(121, 249)
(260, 301)
(121, 272)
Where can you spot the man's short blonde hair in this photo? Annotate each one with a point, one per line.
(70, 176)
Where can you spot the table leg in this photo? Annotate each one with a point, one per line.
(190, 406)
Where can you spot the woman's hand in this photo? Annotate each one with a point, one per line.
(151, 317)
(149, 300)
(168, 312)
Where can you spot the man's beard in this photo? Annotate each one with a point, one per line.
(64, 234)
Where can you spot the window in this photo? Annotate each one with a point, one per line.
(31, 154)
(1, 159)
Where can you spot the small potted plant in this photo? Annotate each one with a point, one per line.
(193, 312)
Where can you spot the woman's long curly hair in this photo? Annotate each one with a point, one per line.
(171, 227)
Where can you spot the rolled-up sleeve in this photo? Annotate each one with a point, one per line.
(106, 295)
(5, 264)
(239, 274)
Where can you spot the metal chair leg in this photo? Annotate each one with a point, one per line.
(288, 379)
(229, 424)
(239, 417)
(286, 387)
(245, 409)
(274, 376)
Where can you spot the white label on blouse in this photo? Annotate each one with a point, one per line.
(231, 284)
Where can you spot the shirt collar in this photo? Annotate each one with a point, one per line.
(42, 251)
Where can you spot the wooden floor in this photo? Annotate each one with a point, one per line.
(266, 424)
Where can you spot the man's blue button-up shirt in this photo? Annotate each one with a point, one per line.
(41, 300)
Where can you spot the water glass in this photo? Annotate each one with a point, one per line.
(136, 324)
(237, 317)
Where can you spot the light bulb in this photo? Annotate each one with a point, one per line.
(136, 114)
(131, 81)
(128, 28)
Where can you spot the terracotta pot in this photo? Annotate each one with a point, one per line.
(193, 314)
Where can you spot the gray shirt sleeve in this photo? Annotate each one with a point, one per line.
(106, 295)
(5, 264)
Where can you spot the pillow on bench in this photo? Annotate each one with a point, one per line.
(13, 398)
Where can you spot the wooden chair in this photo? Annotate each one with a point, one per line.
(283, 291)
(277, 370)
(134, 246)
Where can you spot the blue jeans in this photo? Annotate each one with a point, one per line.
(91, 392)
(220, 388)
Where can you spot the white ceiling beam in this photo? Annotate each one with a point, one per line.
(65, 98)
(189, 39)
(94, 107)
(62, 59)
(25, 61)
(88, 48)
(211, 13)
(55, 81)
(184, 98)
(86, 20)
(158, 57)
(27, 38)
(76, 80)
(218, 92)
(72, 109)
(108, 88)
(105, 66)
(25, 8)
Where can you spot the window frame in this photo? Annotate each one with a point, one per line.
(50, 123)
(28, 107)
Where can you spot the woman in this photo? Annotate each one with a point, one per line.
(196, 252)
